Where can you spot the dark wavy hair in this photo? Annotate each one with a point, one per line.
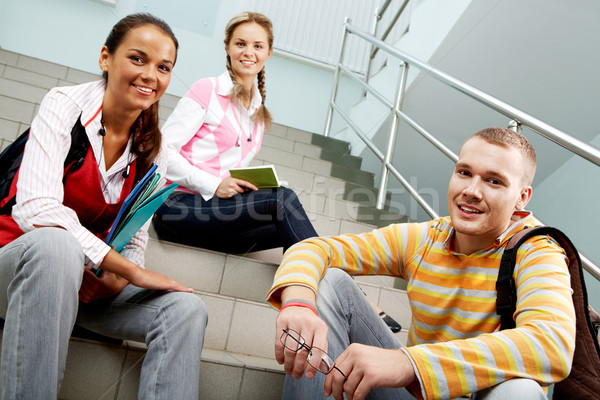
(146, 133)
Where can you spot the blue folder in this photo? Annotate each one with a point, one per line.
(129, 201)
(139, 216)
(130, 219)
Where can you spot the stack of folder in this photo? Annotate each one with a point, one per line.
(143, 201)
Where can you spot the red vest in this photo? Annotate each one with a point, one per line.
(82, 194)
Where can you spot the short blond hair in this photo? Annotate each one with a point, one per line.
(508, 138)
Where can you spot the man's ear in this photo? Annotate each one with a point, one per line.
(524, 198)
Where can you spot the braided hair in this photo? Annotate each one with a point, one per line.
(239, 91)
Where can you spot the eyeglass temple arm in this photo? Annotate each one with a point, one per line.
(340, 371)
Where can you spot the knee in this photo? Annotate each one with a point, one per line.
(55, 253)
(288, 196)
(336, 278)
(189, 309)
(333, 288)
(519, 388)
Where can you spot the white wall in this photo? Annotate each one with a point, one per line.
(71, 32)
(540, 56)
(557, 199)
(429, 23)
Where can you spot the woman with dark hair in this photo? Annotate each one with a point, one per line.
(54, 236)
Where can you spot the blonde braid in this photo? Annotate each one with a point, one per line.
(239, 91)
(263, 113)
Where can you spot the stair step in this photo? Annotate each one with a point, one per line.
(343, 159)
(234, 288)
(271, 155)
(312, 151)
(112, 372)
(330, 143)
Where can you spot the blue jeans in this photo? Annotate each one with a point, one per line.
(250, 221)
(40, 276)
(351, 319)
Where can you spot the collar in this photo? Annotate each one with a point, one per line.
(91, 104)
(520, 220)
(226, 84)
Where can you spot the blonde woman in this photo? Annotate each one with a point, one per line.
(219, 125)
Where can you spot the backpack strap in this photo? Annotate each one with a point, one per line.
(506, 301)
(11, 157)
(584, 380)
(506, 297)
(78, 149)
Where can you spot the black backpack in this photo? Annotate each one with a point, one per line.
(584, 380)
(10, 161)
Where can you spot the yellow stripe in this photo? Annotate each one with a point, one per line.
(464, 298)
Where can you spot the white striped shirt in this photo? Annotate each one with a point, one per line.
(40, 190)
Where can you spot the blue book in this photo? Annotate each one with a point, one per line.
(138, 216)
(137, 209)
(130, 200)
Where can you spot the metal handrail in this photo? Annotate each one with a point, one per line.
(570, 143)
(389, 28)
(379, 12)
(518, 119)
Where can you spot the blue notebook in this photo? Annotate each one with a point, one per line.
(130, 200)
(137, 217)
(137, 209)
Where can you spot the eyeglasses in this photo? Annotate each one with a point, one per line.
(316, 357)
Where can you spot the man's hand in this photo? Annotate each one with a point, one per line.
(307, 324)
(96, 288)
(366, 368)
(229, 187)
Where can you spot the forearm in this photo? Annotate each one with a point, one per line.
(306, 262)
(297, 292)
(120, 266)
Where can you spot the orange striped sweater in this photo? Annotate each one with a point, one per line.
(453, 341)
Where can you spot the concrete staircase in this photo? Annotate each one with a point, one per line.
(238, 360)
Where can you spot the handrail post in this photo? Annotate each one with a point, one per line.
(376, 18)
(336, 79)
(384, 178)
(515, 126)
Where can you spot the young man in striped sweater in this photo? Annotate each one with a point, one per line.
(451, 265)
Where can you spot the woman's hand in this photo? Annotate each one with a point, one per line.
(116, 263)
(229, 187)
(153, 280)
(96, 288)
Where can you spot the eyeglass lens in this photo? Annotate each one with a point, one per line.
(320, 360)
(317, 357)
(292, 340)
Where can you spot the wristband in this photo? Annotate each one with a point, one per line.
(300, 303)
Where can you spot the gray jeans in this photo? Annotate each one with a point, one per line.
(351, 319)
(40, 276)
